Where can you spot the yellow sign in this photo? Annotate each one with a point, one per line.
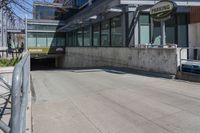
(46, 50)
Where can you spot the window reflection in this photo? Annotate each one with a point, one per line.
(70, 38)
(96, 34)
(41, 40)
(51, 40)
(116, 31)
(87, 36)
(144, 29)
(105, 33)
(171, 31)
(80, 37)
(32, 40)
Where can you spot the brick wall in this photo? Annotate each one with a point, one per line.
(195, 15)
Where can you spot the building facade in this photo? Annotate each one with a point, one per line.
(108, 23)
(109, 26)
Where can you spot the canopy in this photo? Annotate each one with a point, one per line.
(152, 2)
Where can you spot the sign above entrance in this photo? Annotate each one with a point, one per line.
(163, 10)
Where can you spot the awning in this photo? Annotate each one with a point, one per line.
(85, 16)
(152, 2)
(100, 9)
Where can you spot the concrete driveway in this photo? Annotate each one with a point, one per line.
(108, 101)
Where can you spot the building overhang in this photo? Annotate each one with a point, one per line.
(101, 9)
(152, 2)
(86, 16)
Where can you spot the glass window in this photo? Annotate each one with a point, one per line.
(105, 33)
(182, 30)
(41, 40)
(79, 37)
(32, 40)
(116, 31)
(60, 38)
(51, 40)
(70, 38)
(144, 29)
(87, 36)
(156, 33)
(96, 34)
(52, 13)
(60, 41)
(74, 38)
(171, 31)
(31, 27)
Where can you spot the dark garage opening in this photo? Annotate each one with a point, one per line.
(43, 63)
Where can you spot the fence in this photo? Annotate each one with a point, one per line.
(190, 60)
(5, 53)
(19, 97)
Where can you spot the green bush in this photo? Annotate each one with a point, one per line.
(9, 62)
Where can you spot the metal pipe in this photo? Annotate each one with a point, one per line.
(4, 127)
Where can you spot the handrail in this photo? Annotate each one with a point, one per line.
(19, 97)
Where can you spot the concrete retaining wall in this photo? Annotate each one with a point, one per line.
(151, 59)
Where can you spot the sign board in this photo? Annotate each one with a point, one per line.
(59, 50)
(163, 10)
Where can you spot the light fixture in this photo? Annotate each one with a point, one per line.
(93, 17)
(114, 10)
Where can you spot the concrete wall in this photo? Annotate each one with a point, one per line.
(155, 60)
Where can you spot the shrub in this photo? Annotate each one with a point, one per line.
(9, 62)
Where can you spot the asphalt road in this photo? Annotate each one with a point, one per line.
(105, 101)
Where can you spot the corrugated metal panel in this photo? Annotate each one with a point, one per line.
(195, 15)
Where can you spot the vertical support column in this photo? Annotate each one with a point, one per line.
(163, 34)
(26, 37)
(125, 27)
(2, 27)
(136, 34)
(152, 30)
(6, 37)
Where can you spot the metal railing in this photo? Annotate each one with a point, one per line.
(19, 97)
(190, 59)
(6, 53)
(149, 45)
